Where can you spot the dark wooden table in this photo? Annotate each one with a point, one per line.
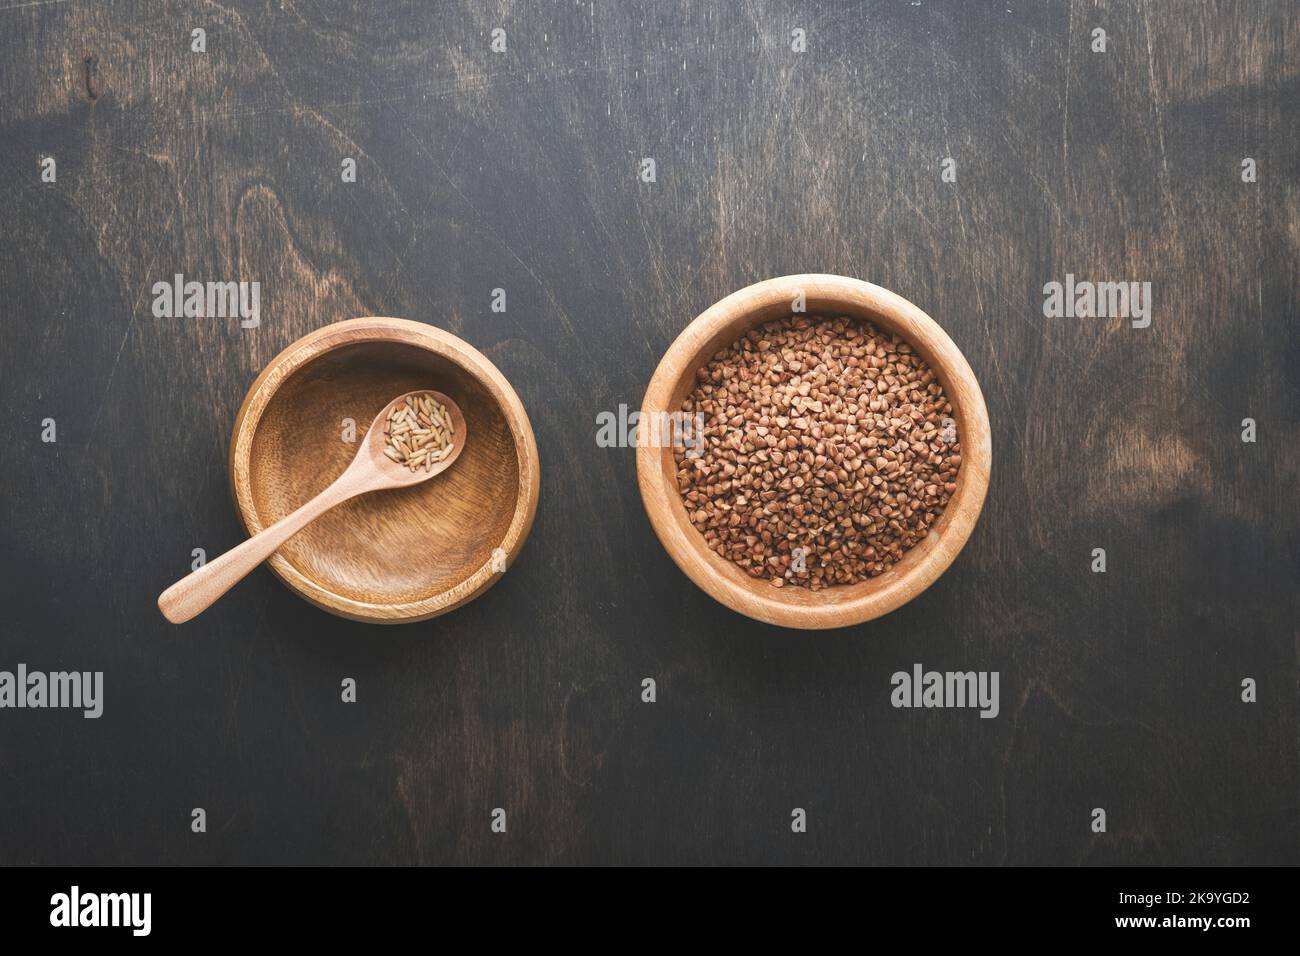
(518, 170)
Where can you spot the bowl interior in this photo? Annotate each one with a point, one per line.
(388, 547)
(776, 307)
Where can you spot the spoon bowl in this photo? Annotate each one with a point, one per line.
(403, 476)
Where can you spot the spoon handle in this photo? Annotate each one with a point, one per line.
(192, 594)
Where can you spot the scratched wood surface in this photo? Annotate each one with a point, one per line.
(518, 170)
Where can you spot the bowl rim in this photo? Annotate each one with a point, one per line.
(740, 311)
(403, 331)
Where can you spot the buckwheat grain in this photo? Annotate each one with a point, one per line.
(828, 451)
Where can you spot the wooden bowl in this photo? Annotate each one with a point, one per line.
(838, 605)
(391, 556)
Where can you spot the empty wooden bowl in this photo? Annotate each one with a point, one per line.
(398, 555)
(839, 605)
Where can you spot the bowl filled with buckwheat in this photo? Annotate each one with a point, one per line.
(813, 451)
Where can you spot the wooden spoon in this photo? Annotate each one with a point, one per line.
(371, 470)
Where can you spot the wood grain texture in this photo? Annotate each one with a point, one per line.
(725, 322)
(518, 171)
